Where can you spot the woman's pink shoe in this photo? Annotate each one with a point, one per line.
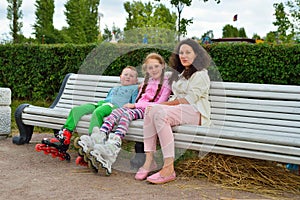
(143, 173)
(158, 179)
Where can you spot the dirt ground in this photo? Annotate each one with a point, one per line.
(26, 174)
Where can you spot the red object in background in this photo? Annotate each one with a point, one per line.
(235, 18)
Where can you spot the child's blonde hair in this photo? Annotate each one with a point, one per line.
(161, 60)
(131, 68)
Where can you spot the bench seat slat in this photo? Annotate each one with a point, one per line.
(257, 120)
(257, 114)
(238, 135)
(271, 131)
(256, 128)
(237, 143)
(240, 152)
(227, 150)
(256, 107)
(41, 111)
(69, 103)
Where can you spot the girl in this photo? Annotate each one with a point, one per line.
(155, 89)
(189, 105)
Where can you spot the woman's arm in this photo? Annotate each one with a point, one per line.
(175, 102)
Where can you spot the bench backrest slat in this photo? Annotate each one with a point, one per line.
(256, 87)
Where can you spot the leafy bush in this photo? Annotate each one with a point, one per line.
(36, 71)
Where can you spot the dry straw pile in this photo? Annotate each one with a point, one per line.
(239, 173)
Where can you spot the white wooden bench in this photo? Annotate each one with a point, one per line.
(249, 120)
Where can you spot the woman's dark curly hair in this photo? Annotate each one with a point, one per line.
(202, 60)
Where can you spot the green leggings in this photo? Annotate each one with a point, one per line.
(98, 111)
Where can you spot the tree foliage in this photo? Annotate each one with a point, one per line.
(142, 15)
(44, 29)
(231, 31)
(271, 37)
(82, 18)
(149, 22)
(107, 35)
(14, 14)
(285, 31)
(242, 32)
(183, 23)
(294, 9)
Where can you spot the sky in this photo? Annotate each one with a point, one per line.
(255, 16)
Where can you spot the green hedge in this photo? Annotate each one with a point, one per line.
(36, 71)
(260, 63)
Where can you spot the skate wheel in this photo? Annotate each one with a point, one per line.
(108, 172)
(78, 160)
(80, 152)
(61, 158)
(67, 157)
(95, 163)
(92, 167)
(85, 158)
(76, 145)
(87, 155)
(38, 147)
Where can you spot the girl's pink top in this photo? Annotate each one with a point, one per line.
(150, 92)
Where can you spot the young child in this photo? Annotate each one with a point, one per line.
(154, 89)
(116, 97)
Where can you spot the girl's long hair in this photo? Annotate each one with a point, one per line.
(146, 78)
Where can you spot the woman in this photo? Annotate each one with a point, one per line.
(189, 105)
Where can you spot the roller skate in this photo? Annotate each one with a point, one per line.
(86, 143)
(57, 146)
(104, 155)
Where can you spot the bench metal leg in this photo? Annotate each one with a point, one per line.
(25, 130)
(138, 160)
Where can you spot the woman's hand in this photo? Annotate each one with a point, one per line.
(175, 102)
(148, 109)
(129, 105)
